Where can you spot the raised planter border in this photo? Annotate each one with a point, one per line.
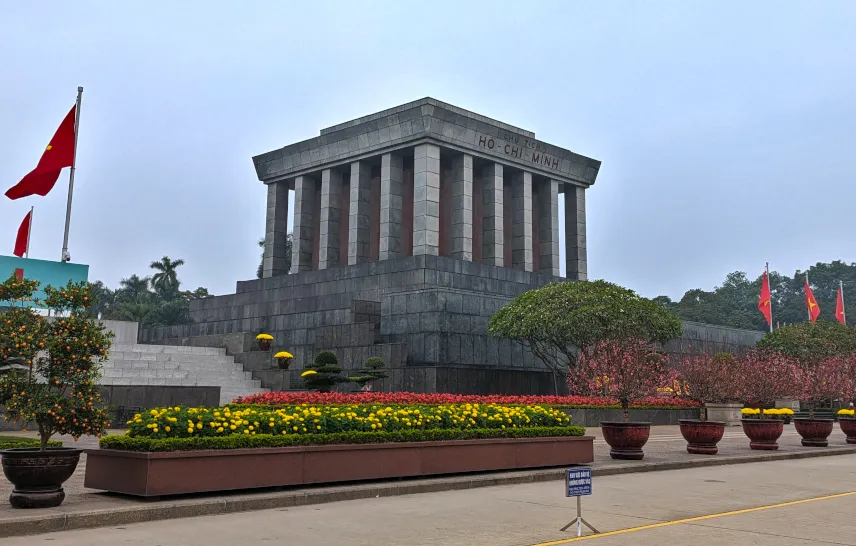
(149, 474)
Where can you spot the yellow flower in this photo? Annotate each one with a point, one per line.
(264, 336)
(166, 428)
(308, 372)
(847, 412)
(283, 354)
(220, 429)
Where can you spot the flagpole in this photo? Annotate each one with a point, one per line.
(65, 256)
(29, 232)
(843, 313)
(767, 270)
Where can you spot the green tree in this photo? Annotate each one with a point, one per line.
(558, 320)
(165, 280)
(134, 289)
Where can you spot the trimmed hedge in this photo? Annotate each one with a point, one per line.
(197, 443)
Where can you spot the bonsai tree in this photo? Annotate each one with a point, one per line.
(559, 321)
(707, 379)
(324, 373)
(764, 377)
(627, 370)
(372, 370)
(57, 391)
(814, 350)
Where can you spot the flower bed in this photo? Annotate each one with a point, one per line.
(173, 451)
(178, 422)
(399, 398)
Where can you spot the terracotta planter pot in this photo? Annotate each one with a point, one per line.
(38, 475)
(848, 427)
(264, 344)
(702, 436)
(626, 439)
(763, 433)
(814, 432)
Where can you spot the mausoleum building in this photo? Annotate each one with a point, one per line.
(411, 227)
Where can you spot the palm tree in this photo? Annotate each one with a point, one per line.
(134, 289)
(165, 281)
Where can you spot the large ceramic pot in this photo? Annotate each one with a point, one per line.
(38, 475)
(848, 427)
(626, 439)
(814, 432)
(702, 436)
(283, 363)
(763, 433)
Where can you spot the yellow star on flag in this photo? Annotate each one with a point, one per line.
(49, 147)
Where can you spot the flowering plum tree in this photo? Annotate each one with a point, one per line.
(708, 379)
(765, 376)
(626, 370)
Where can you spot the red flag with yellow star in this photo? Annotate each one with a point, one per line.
(58, 155)
(811, 303)
(764, 301)
(839, 306)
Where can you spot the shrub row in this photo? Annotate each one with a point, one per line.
(236, 441)
(279, 398)
(10, 442)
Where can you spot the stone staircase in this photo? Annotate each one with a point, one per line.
(168, 365)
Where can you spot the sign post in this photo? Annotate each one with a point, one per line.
(579, 485)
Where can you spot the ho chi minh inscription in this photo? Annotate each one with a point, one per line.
(519, 147)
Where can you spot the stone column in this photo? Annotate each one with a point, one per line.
(575, 233)
(391, 206)
(275, 261)
(304, 208)
(548, 215)
(359, 250)
(331, 216)
(462, 208)
(492, 226)
(521, 221)
(426, 199)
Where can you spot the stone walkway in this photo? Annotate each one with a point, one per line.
(665, 450)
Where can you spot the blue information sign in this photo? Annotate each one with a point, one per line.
(579, 482)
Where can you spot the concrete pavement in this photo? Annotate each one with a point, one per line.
(529, 514)
(87, 508)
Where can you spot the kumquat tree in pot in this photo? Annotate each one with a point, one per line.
(52, 385)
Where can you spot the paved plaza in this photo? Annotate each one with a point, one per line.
(781, 503)
(665, 449)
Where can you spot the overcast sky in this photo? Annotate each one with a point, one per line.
(727, 130)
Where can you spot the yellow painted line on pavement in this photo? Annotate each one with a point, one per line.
(690, 520)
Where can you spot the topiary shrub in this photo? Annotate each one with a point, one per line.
(372, 370)
(324, 373)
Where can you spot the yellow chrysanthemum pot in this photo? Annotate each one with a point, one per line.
(283, 359)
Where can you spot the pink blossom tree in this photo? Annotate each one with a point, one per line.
(626, 370)
(765, 377)
(708, 379)
(821, 381)
(848, 379)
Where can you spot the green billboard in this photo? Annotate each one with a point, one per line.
(46, 272)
